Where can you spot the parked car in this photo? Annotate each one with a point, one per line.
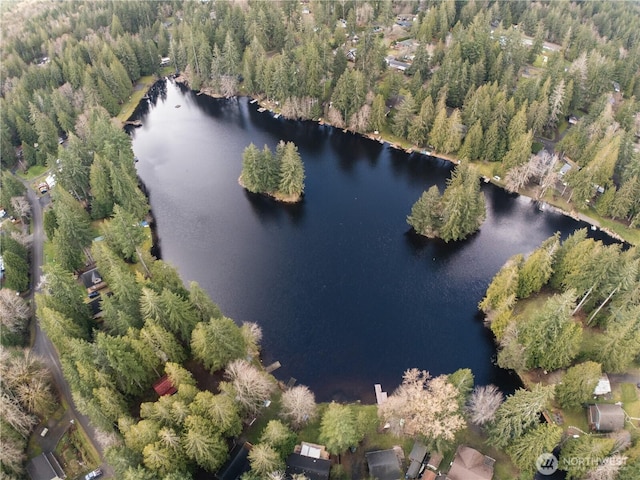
(94, 474)
(94, 294)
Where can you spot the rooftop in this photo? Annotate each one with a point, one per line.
(384, 465)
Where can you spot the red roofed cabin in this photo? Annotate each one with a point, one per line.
(164, 386)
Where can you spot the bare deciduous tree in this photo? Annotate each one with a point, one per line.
(360, 120)
(14, 310)
(21, 206)
(22, 238)
(335, 117)
(608, 469)
(11, 455)
(15, 415)
(517, 177)
(423, 406)
(228, 85)
(250, 386)
(252, 334)
(298, 405)
(484, 403)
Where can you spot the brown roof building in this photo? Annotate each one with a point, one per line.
(470, 464)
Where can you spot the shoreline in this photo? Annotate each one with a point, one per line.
(380, 138)
(278, 197)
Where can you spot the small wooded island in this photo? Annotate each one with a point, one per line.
(455, 214)
(280, 176)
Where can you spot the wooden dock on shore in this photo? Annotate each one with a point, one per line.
(134, 123)
(273, 367)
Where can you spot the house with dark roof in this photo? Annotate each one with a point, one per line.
(164, 386)
(45, 467)
(92, 280)
(605, 417)
(417, 457)
(384, 465)
(470, 464)
(237, 463)
(311, 467)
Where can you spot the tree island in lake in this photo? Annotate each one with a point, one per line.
(280, 176)
(455, 214)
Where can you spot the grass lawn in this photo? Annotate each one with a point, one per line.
(33, 172)
(575, 418)
(562, 126)
(629, 397)
(253, 432)
(139, 91)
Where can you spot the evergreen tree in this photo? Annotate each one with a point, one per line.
(217, 342)
(338, 428)
(473, 142)
(291, 172)
(578, 384)
(463, 204)
(517, 414)
(425, 213)
(378, 113)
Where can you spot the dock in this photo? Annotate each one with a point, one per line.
(134, 123)
(381, 396)
(253, 101)
(277, 115)
(273, 367)
(261, 109)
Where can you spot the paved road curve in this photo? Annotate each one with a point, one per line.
(42, 345)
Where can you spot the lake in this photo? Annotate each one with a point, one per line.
(346, 295)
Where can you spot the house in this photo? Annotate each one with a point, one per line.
(164, 61)
(237, 463)
(312, 450)
(573, 120)
(351, 55)
(92, 280)
(470, 464)
(310, 460)
(616, 87)
(51, 180)
(45, 467)
(384, 465)
(564, 170)
(393, 63)
(605, 417)
(164, 386)
(417, 456)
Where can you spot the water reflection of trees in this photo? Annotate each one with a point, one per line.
(268, 210)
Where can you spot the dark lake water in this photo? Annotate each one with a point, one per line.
(346, 295)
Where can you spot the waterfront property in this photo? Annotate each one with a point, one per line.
(384, 464)
(470, 464)
(310, 460)
(417, 457)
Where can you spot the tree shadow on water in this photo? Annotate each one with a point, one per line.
(269, 210)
